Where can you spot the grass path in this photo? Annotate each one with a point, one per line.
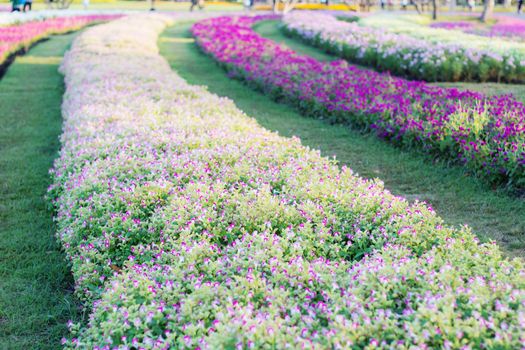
(269, 29)
(35, 281)
(458, 199)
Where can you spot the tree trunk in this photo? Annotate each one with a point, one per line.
(488, 10)
(289, 5)
(418, 10)
(434, 9)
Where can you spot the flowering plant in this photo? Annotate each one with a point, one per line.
(456, 25)
(190, 226)
(507, 27)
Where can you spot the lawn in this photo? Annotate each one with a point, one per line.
(457, 198)
(36, 298)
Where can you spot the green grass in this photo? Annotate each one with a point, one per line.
(36, 298)
(457, 198)
(270, 29)
(518, 90)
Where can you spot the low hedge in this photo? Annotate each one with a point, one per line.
(190, 226)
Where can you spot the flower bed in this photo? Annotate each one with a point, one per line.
(486, 134)
(15, 38)
(513, 28)
(403, 54)
(418, 27)
(505, 27)
(456, 25)
(190, 226)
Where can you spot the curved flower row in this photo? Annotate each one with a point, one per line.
(17, 37)
(486, 134)
(505, 27)
(455, 25)
(418, 27)
(190, 226)
(403, 54)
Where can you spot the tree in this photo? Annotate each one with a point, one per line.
(488, 10)
(287, 5)
(364, 5)
(416, 6)
(453, 5)
(58, 4)
(434, 9)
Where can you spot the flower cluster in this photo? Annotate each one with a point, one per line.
(485, 134)
(403, 54)
(14, 38)
(190, 226)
